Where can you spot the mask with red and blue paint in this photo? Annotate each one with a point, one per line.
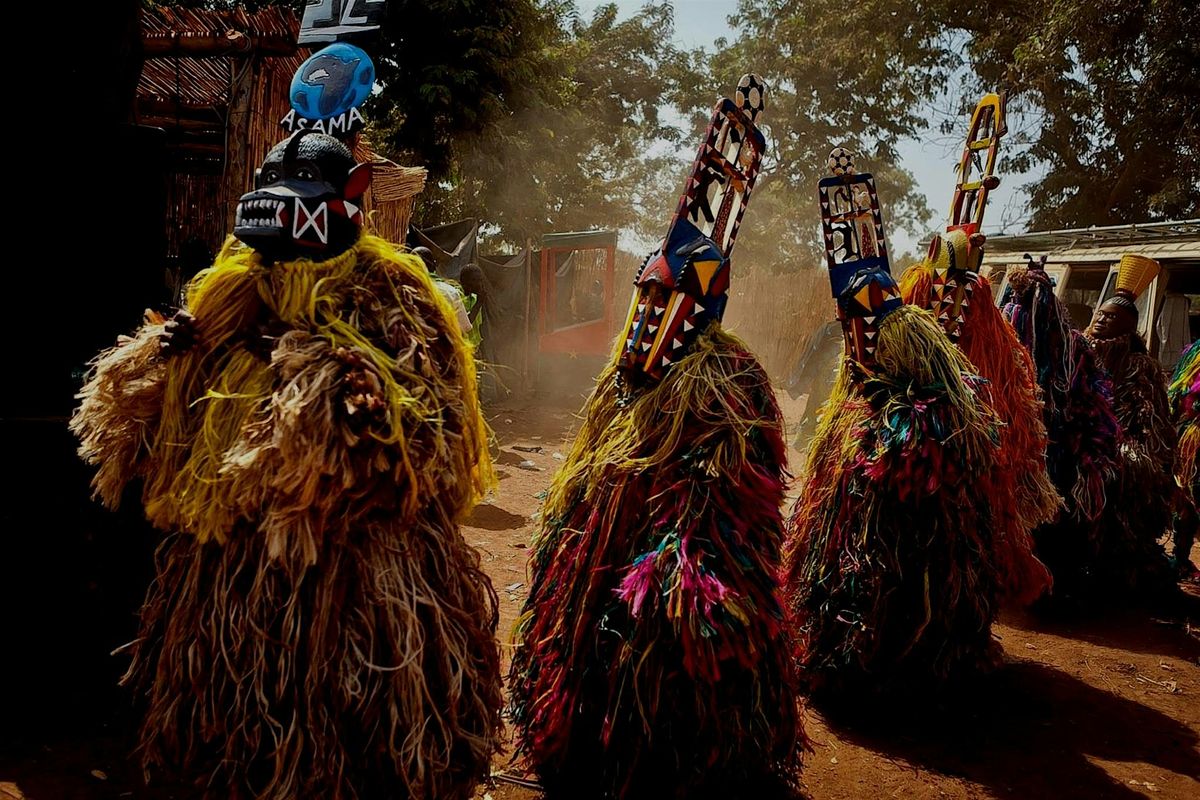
(682, 288)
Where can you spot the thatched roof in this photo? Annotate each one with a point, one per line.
(389, 180)
(190, 57)
(182, 31)
(193, 58)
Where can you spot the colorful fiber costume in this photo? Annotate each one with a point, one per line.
(652, 659)
(1184, 395)
(1139, 508)
(948, 282)
(308, 433)
(1081, 456)
(890, 571)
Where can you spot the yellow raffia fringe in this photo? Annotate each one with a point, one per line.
(213, 391)
(913, 350)
(1185, 469)
(701, 387)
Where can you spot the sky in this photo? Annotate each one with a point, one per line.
(930, 158)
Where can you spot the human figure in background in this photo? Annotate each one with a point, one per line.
(306, 432)
(477, 300)
(1084, 435)
(1139, 511)
(814, 375)
(449, 289)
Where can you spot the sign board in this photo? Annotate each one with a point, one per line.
(327, 21)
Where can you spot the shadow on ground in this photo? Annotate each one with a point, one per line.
(1029, 730)
(493, 518)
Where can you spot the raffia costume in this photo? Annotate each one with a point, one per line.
(1081, 454)
(652, 659)
(1184, 395)
(890, 571)
(1139, 508)
(318, 627)
(948, 282)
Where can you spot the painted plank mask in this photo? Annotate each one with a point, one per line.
(856, 255)
(683, 286)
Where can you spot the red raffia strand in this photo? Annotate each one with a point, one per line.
(888, 570)
(652, 660)
(1019, 489)
(1084, 434)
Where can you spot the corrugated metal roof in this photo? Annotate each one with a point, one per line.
(581, 239)
(1068, 254)
(1141, 234)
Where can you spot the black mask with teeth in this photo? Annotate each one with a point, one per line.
(306, 201)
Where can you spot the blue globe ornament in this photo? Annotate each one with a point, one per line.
(332, 81)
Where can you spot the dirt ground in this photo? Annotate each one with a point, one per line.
(1105, 708)
(1100, 708)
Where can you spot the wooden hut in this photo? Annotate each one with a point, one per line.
(217, 83)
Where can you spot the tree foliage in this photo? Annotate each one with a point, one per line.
(451, 71)
(1106, 92)
(577, 139)
(1113, 87)
(533, 119)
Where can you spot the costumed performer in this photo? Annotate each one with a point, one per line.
(652, 659)
(308, 434)
(1138, 512)
(1081, 455)
(949, 283)
(890, 572)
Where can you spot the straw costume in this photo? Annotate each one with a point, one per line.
(948, 283)
(1081, 456)
(1184, 395)
(308, 434)
(890, 571)
(651, 658)
(1139, 512)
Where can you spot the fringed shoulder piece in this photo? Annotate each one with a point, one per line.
(119, 408)
(365, 358)
(716, 394)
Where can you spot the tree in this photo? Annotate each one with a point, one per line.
(829, 84)
(1114, 89)
(453, 70)
(1107, 91)
(581, 142)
